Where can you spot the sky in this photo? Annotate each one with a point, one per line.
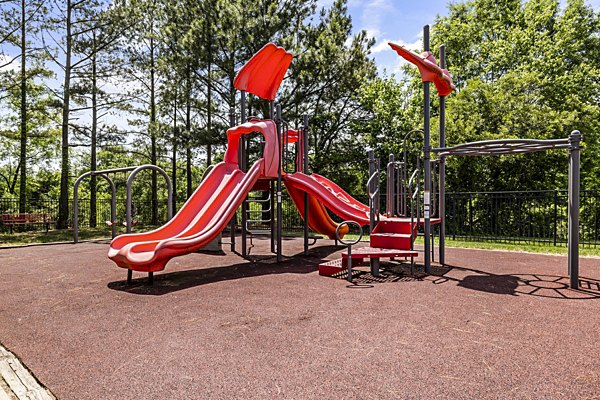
(399, 21)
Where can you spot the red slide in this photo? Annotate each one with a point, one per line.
(329, 195)
(201, 219)
(318, 218)
(207, 211)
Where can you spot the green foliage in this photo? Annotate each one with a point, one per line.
(523, 70)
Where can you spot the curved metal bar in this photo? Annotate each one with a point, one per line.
(349, 243)
(130, 182)
(502, 146)
(113, 204)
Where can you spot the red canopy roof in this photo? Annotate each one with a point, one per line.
(430, 72)
(263, 73)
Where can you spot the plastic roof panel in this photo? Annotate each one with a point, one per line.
(263, 73)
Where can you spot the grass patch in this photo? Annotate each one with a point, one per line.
(55, 236)
(103, 232)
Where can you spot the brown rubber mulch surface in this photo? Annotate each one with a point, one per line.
(496, 325)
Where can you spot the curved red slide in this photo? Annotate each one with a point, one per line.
(200, 220)
(318, 218)
(329, 195)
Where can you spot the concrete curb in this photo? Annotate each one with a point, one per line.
(17, 382)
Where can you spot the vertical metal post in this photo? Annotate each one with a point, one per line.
(305, 171)
(279, 209)
(233, 219)
(390, 186)
(427, 166)
(371, 189)
(272, 187)
(242, 163)
(555, 230)
(442, 179)
(574, 159)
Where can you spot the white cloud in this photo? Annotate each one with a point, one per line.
(373, 14)
(382, 45)
(11, 63)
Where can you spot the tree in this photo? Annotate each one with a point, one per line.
(523, 69)
(22, 21)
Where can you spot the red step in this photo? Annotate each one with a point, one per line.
(377, 252)
(399, 241)
(335, 267)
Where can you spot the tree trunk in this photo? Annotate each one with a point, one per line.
(94, 137)
(23, 152)
(152, 127)
(63, 202)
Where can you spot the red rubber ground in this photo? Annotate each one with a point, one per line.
(502, 326)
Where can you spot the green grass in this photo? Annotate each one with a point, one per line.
(545, 248)
(55, 236)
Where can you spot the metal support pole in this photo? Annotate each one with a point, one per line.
(371, 189)
(113, 205)
(442, 191)
(574, 164)
(279, 209)
(233, 219)
(242, 162)
(390, 186)
(130, 179)
(305, 171)
(427, 166)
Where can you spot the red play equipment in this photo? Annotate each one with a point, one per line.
(207, 212)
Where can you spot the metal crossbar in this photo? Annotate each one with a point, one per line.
(505, 146)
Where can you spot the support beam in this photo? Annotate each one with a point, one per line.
(304, 156)
(279, 205)
(242, 163)
(427, 166)
(442, 191)
(574, 165)
(233, 219)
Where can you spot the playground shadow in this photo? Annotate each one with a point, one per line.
(170, 282)
(538, 285)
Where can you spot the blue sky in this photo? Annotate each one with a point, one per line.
(400, 21)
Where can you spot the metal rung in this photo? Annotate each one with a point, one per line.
(260, 211)
(258, 200)
(261, 221)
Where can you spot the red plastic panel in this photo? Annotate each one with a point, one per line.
(263, 73)
(270, 153)
(428, 68)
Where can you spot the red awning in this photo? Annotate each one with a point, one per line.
(263, 73)
(430, 72)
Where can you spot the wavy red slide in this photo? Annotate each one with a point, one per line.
(329, 195)
(200, 220)
(318, 218)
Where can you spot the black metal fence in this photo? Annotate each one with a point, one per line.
(512, 217)
(526, 217)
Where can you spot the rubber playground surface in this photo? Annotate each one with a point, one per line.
(495, 325)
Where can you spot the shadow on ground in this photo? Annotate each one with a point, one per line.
(550, 286)
(255, 266)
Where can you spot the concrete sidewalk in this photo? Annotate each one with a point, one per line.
(17, 382)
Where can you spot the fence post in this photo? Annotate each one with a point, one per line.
(555, 215)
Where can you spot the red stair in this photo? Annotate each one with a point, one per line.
(390, 238)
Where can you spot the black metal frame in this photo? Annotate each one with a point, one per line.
(521, 146)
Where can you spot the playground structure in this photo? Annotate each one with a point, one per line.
(392, 234)
(113, 204)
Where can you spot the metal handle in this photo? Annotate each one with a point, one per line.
(337, 232)
(349, 244)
